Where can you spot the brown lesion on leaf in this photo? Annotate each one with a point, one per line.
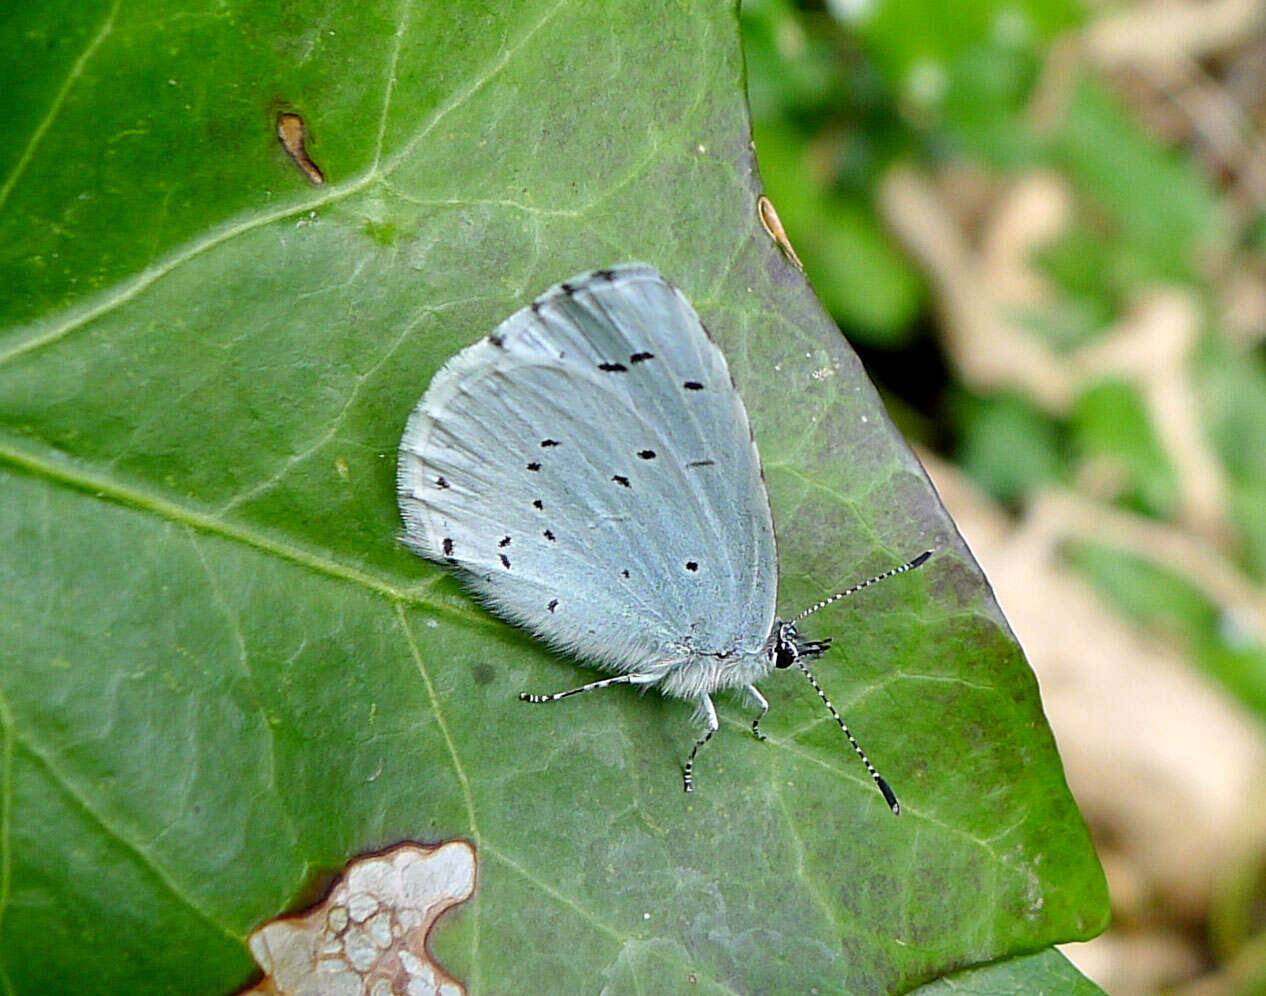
(773, 225)
(292, 134)
(369, 934)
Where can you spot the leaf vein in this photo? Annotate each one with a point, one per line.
(462, 779)
(106, 489)
(82, 802)
(59, 100)
(235, 627)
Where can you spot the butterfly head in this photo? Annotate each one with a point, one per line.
(788, 647)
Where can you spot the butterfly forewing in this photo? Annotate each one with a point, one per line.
(590, 471)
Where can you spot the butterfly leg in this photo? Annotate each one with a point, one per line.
(709, 713)
(761, 703)
(593, 686)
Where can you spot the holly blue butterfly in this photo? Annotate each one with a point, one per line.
(589, 471)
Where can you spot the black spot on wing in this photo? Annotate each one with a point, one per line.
(567, 289)
(553, 604)
(505, 541)
(646, 454)
(613, 368)
(701, 463)
(624, 573)
(691, 566)
(621, 480)
(549, 535)
(641, 357)
(547, 443)
(533, 466)
(448, 546)
(538, 504)
(604, 274)
(505, 561)
(692, 385)
(441, 483)
(498, 341)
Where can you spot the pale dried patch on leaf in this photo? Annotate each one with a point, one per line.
(368, 937)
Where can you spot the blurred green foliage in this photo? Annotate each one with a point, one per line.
(1233, 391)
(841, 91)
(837, 99)
(1110, 426)
(1221, 644)
(1006, 443)
(825, 130)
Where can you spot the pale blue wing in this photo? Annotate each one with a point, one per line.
(590, 469)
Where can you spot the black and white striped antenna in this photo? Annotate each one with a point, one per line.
(889, 796)
(918, 561)
(883, 786)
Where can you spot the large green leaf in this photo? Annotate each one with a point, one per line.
(222, 675)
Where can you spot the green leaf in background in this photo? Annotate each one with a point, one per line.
(1006, 443)
(1109, 425)
(863, 281)
(1163, 209)
(221, 676)
(1083, 264)
(1232, 386)
(1225, 647)
(904, 34)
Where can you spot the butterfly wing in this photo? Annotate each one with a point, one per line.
(590, 471)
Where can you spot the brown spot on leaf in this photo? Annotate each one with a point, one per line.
(291, 132)
(370, 932)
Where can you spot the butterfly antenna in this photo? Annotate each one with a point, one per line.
(918, 561)
(889, 797)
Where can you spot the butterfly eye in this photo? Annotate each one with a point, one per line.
(783, 657)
